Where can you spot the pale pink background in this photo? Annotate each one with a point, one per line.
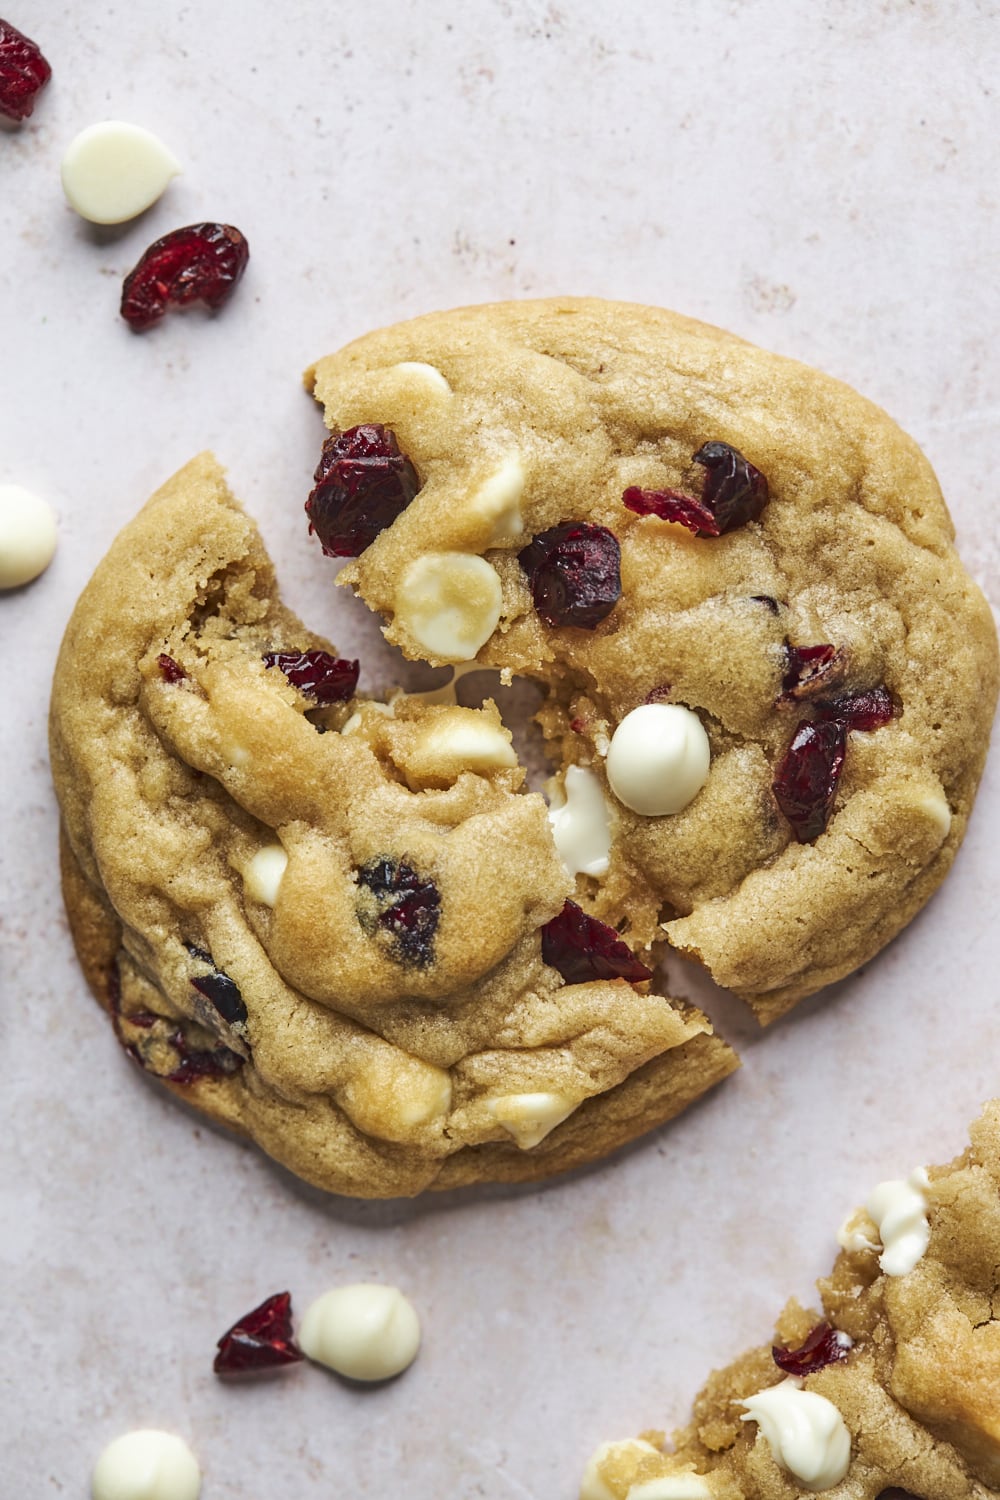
(821, 179)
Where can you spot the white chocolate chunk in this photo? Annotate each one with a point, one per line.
(27, 535)
(427, 377)
(464, 739)
(530, 1117)
(899, 1208)
(671, 1487)
(498, 501)
(805, 1432)
(658, 759)
(146, 1465)
(936, 809)
(263, 874)
(113, 171)
(592, 1486)
(851, 1235)
(580, 825)
(426, 1097)
(450, 603)
(364, 1331)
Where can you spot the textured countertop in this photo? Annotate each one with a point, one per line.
(820, 179)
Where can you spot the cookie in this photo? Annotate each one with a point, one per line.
(643, 514)
(338, 926)
(893, 1383)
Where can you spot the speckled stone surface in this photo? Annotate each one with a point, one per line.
(817, 179)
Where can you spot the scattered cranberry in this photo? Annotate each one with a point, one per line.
(578, 726)
(407, 907)
(195, 1063)
(810, 670)
(260, 1340)
(189, 1064)
(319, 675)
(170, 670)
(362, 483)
(867, 710)
(658, 694)
(217, 987)
(199, 263)
(825, 1345)
(575, 575)
(23, 73)
(582, 948)
(807, 779)
(734, 493)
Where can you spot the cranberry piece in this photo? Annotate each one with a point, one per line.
(734, 492)
(260, 1340)
(809, 670)
(23, 72)
(170, 670)
(199, 263)
(582, 948)
(825, 1345)
(319, 675)
(658, 694)
(217, 987)
(807, 779)
(575, 574)
(195, 1063)
(407, 907)
(866, 710)
(362, 483)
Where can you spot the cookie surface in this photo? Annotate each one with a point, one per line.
(520, 418)
(319, 919)
(915, 1382)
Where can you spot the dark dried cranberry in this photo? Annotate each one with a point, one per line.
(328, 679)
(575, 573)
(224, 994)
(658, 694)
(867, 710)
(170, 670)
(199, 263)
(734, 493)
(195, 1062)
(807, 779)
(260, 1340)
(810, 670)
(581, 948)
(825, 1345)
(403, 904)
(362, 483)
(768, 602)
(23, 72)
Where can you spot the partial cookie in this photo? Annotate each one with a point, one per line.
(339, 926)
(895, 1383)
(544, 484)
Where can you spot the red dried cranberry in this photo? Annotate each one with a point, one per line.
(260, 1340)
(23, 72)
(866, 710)
(575, 573)
(199, 263)
(406, 906)
(734, 493)
(217, 987)
(581, 948)
(807, 779)
(319, 675)
(809, 670)
(362, 483)
(825, 1345)
(213, 1062)
(170, 670)
(658, 694)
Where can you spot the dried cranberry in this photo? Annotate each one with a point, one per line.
(807, 779)
(575, 573)
(195, 1062)
(319, 675)
(809, 670)
(170, 670)
(406, 906)
(362, 483)
(769, 603)
(260, 1340)
(825, 1345)
(658, 694)
(734, 492)
(23, 72)
(581, 948)
(866, 710)
(199, 263)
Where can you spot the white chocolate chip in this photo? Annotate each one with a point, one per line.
(851, 1235)
(899, 1209)
(428, 377)
(592, 1486)
(805, 1432)
(658, 759)
(580, 825)
(530, 1117)
(114, 171)
(424, 1097)
(937, 811)
(263, 874)
(365, 1331)
(146, 1465)
(497, 501)
(27, 536)
(462, 738)
(450, 603)
(671, 1487)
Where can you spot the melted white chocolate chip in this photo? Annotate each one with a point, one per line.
(113, 171)
(671, 1487)
(805, 1432)
(899, 1209)
(427, 377)
(592, 1486)
(450, 603)
(580, 825)
(498, 501)
(851, 1235)
(935, 806)
(658, 759)
(146, 1465)
(530, 1117)
(364, 1331)
(463, 739)
(27, 536)
(263, 874)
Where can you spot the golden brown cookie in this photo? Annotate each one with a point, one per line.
(895, 1383)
